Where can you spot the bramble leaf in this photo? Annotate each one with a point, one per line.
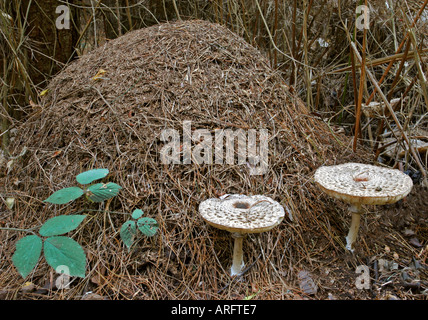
(64, 251)
(27, 254)
(138, 213)
(60, 225)
(91, 175)
(65, 195)
(103, 191)
(148, 226)
(128, 232)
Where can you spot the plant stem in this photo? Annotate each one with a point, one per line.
(100, 210)
(18, 229)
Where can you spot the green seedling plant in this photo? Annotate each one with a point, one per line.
(60, 250)
(129, 230)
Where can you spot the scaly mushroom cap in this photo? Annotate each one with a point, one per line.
(357, 183)
(241, 213)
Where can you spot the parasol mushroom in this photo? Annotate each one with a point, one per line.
(240, 215)
(358, 184)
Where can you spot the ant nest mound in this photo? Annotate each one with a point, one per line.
(118, 106)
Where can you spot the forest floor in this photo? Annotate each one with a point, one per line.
(201, 72)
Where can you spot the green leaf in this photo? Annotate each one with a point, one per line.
(66, 253)
(128, 232)
(60, 225)
(103, 191)
(252, 295)
(138, 213)
(91, 175)
(65, 195)
(147, 226)
(27, 254)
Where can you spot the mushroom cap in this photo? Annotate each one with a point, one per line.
(358, 183)
(242, 213)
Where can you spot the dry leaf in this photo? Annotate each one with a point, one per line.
(307, 285)
(415, 242)
(10, 202)
(41, 94)
(408, 232)
(93, 296)
(56, 153)
(28, 287)
(99, 75)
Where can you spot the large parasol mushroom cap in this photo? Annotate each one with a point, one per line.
(358, 183)
(242, 213)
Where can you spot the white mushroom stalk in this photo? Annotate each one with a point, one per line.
(356, 211)
(238, 254)
(240, 215)
(358, 184)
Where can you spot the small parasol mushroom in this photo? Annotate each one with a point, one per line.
(359, 184)
(240, 215)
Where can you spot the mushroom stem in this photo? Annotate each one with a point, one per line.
(356, 211)
(238, 254)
